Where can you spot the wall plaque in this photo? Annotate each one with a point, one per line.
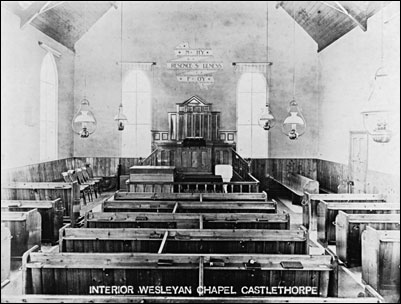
(194, 65)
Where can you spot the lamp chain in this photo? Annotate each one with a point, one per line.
(86, 29)
(293, 52)
(121, 54)
(382, 34)
(267, 52)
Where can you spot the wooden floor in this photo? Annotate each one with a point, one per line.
(351, 280)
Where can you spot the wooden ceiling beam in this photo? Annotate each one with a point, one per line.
(51, 6)
(346, 12)
(32, 12)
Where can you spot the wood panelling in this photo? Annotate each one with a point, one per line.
(332, 174)
(43, 172)
(329, 174)
(279, 168)
(51, 171)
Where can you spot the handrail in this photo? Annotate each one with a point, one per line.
(192, 183)
(143, 163)
(178, 187)
(240, 165)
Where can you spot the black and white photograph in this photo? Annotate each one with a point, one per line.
(200, 152)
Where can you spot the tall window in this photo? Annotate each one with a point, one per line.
(136, 138)
(251, 100)
(48, 109)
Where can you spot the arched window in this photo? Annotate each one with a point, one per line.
(136, 137)
(48, 109)
(251, 100)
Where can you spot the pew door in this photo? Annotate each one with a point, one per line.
(358, 160)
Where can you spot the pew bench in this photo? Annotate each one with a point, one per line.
(186, 220)
(25, 228)
(309, 204)
(327, 213)
(381, 261)
(349, 229)
(51, 213)
(69, 194)
(113, 205)
(297, 185)
(184, 241)
(75, 273)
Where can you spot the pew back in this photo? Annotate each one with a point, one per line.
(184, 241)
(5, 252)
(51, 213)
(381, 261)
(25, 229)
(187, 220)
(327, 212)
(69, 194)
(349, 229)
(309, 204)
(191, 196)
(75, 273)
(112, 205)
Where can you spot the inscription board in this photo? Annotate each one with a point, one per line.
(194, 65)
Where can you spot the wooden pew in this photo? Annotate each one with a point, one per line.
(298, 184)
(51, 213)
(381, 261)
(75, 273)
(187, 220)
(112, 205)
(183, 241)
(25, 229)
(349, 228)
(327, 212)
(309, 204)
(5, 253)
(191, 196)
(67, 192)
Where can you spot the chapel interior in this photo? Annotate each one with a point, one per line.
(200, 151)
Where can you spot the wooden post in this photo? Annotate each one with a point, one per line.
(201, 221)
(25, 260)
(61, 236)
(75, 202)
(201, 271)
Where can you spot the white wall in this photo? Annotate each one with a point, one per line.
(347, 69)
(21, 59)
(235, 32)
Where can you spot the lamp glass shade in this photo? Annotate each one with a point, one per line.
(377, 114)
(84, 122)
(121, 119)
(266, 119)
(294, 124)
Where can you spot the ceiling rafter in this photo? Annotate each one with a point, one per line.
(347, 13)
(327, 21)
(31, 12)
